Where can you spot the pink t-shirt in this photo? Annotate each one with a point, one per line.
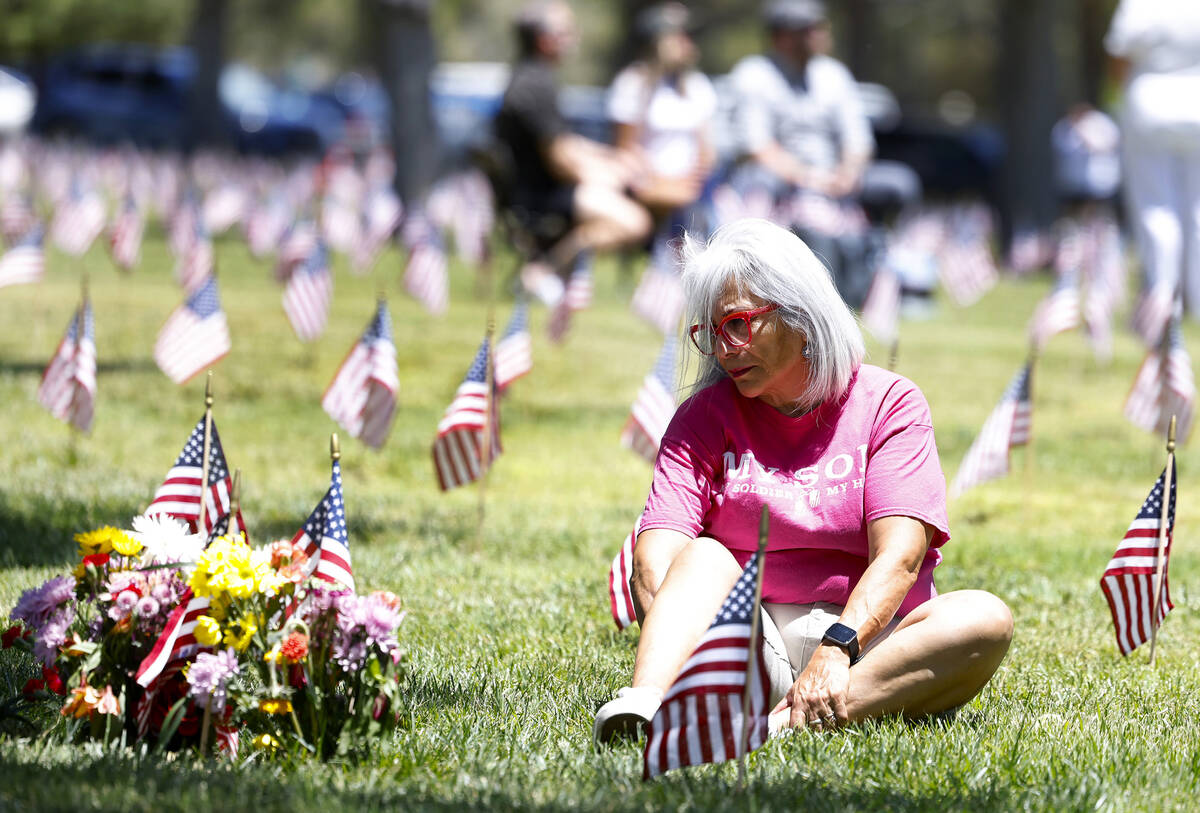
(824, 475)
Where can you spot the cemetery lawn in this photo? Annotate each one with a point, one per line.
(509, 644)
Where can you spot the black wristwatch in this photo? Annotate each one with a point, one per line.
(839, 634)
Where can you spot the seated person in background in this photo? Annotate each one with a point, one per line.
(803, 132)
(663, 111)
(559, 172)
(784, 414)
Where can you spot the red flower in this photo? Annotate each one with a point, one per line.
(11, 635)
(296, 678)
(52, 681)
(294, 647)
(32, 687)
(97, 560)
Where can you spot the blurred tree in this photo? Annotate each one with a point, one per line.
(210, 21)
(32, 30)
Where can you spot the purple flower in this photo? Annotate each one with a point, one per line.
(162, 593)
(349, 654)
(36, 604)
(147, 606)
(123, 606)
(52, 635)
(208, 678)
(380, 620)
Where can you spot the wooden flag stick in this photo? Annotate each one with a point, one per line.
(764, 523)
(235, 497)
(485, 451)
(208, 402)
(1160, 547)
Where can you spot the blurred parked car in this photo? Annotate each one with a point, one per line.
(17, 96)
(134, 93)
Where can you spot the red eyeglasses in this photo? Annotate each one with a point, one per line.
(734, 329)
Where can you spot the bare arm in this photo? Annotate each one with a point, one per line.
(653, 554)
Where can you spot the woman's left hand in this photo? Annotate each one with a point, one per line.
(820, 692)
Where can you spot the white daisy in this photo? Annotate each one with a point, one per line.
(166, 540)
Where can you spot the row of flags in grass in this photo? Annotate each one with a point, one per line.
(323, 536)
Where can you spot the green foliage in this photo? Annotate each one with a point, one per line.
(509, 645)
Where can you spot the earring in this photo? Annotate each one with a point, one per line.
(807, 351)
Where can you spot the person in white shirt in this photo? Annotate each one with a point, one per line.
(1155, 45)
(802, 129)
(662, 109)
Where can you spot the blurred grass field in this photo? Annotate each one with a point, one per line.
(509, 641)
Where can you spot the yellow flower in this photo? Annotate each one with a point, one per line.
(208, 631)
(218, 607)
(240, 632)
(199, 582)
(97, 541)
(125, 544)
(275, 706)
(273, 656)
(266, 741)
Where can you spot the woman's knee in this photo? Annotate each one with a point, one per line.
(982, 617)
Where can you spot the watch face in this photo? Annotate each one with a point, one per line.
(841, 634)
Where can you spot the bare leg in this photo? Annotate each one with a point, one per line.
(606, 219)
(698, 580)
(940, 656)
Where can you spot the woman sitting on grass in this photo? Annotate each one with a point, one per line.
(785, 414)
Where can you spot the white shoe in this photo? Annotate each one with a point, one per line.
(541, 281)
(625, 715)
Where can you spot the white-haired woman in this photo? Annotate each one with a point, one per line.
(785, 414)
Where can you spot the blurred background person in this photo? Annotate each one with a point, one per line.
(1155, 45)
(556, 171)
(663, 109)
(802, 128)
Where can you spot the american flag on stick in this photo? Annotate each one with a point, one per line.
(425, 275)
(966, 269)
(1164, 386)
(308, 293)
(324, 537)
(459, 456)
(659, 295)
(180, 492)
(125, 236)
(297, 245)
(514, 350)
(654, 406)
(703, 717)
(577, 297)
(196, 263)
(1129, 580)
(1057, 313)
(25, 262)
(620, 594)
(1009, 425)
(68, 387)
(362, 395)
(195, 335)
(16, 215)
(881, 309)
(1153, 313)
(78, 221)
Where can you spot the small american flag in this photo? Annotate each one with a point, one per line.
(25, 262)
(184, 222)
(1009, 425)
(362, 395)
(881, 309)
(68, 387)
(324, 536)
(195, 335)
(78, 221)
(1153, 313)
(700, 719)
(475, 216)
(341, 227)
(16, 215)
(308, 293)
(966, 268)
(620, 595)
(195, 264)
(297, 245)
(659, 295)
(381, 217)
(514, 350)
(425, 275)
(458, 454)
(1128, 581)
(177, 640)
(180, 492)
(577, 297)
(1057, 313)
(1160, 391)
(223, 207)
(654, 406)
(125, 236)
(266, 224)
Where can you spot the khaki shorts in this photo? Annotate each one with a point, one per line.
(792, 633)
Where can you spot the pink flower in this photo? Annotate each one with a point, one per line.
(108, 703)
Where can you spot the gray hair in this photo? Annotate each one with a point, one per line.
(772, 264)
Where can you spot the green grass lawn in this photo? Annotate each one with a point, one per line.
(509, 643)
